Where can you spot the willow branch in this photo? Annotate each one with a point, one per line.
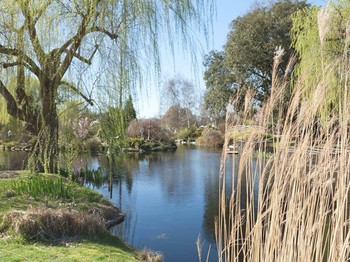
(7, 65)
(40, 12)
(83, 59)
(94, 29)
(112, 36)
(30, 64)
(76, 42)
(12, 107)
(30, 24)
(76, 90)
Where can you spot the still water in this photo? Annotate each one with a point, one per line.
(12, 160)
(169, 198)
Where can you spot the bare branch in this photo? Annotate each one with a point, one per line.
(112, 36)
(75, 89)
(30, 24)
(30, 64)
(40, 12)
(7, 65)
(12, 107)
(83, 59)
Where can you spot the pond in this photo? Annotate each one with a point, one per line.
(169, 198)
(12, 160)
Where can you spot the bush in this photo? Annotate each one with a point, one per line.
(147, 129)
(191, 133)
(211, 137)
(93, 144)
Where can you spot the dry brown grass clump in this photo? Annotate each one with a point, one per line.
(150, 256)
(54, 225)
(111, 215)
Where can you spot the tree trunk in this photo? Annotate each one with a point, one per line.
(44, 157)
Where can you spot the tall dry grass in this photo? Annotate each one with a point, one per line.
(54, 225)
(301, 211)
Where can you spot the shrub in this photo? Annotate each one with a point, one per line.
(191, 133)
(211, 137)
(147, 129)
(93, 144)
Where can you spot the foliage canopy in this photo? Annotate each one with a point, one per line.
(245, 65)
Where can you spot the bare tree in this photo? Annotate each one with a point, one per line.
(177, 117)
(180, 93)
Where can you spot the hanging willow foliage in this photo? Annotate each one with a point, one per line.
(98, 49)
(320, 36)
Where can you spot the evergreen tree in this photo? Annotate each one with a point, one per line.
(129, 111)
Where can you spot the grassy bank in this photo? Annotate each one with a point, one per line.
(22, 192)
(107, 249)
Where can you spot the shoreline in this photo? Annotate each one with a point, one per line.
(86, 202)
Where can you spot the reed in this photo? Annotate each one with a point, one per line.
(300, 209)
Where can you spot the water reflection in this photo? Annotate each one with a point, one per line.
(10, 160)
(169, 198)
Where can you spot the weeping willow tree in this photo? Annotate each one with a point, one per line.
(58, 41)
(32, 85)
(321, 38)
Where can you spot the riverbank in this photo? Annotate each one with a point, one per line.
(26, 201)
(135, 145)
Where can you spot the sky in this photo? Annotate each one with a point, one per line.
(148, 98)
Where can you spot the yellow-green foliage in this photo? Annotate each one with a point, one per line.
(40, 186)
(4, 116)
(321, 38)
(243, 133)
(31, 88)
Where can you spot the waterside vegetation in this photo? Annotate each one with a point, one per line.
(294, 105)
(47, 217)
(300, 209)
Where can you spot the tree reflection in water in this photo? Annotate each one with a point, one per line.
(164, 194)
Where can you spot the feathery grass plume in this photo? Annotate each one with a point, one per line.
(293, 204)
(248, 103)
(324, 17)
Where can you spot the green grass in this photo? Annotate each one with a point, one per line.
(109, 249)
(16, 248)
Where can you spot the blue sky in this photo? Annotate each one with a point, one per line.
(148, 99)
